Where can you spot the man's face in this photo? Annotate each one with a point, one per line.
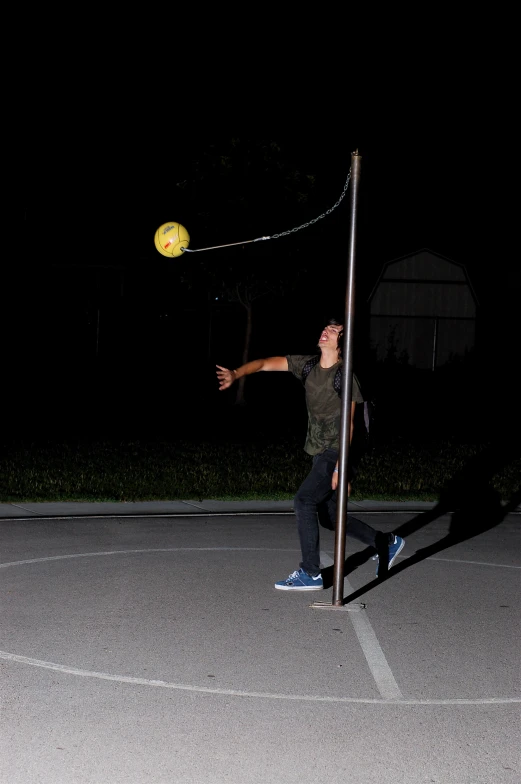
(329, 336)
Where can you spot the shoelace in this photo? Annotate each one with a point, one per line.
(293, 576)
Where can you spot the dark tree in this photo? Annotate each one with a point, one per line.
(239, 189)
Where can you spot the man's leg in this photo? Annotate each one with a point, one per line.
(357, 529)
(387, 546)
(314, 490)
(325, 518)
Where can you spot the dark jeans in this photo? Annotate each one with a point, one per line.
(315, 502)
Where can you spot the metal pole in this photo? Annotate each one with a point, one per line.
(347, 382)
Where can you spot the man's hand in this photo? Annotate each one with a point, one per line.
(334, 482)
(226, 377)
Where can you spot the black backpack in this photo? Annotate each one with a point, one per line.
(368, 407)
(310, 364)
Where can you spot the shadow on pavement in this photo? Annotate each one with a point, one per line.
(475, 507)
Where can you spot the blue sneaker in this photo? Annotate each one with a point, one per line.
(300, 581)
(394, 548)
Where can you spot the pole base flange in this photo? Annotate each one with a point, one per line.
(352, 607)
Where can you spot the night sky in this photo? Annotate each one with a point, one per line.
(93, 194)
(97, 194)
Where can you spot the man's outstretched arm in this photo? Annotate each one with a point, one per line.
(227, 377)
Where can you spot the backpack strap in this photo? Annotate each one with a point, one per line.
(308, 367)
(310, 364)
(337, 381)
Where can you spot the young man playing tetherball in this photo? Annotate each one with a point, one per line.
(318, 490)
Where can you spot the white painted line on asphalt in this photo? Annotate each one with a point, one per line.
(471, 563)
(225, 549)
(374, 655)
(105, 676)
(154, 550)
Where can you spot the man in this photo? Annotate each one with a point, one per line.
(324, 407)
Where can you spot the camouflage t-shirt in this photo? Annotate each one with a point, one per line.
(323, 403)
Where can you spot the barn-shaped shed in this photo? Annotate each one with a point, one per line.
(423, 309)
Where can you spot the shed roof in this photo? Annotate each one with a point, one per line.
(424, 266)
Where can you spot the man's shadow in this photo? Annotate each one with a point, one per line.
(474, 505)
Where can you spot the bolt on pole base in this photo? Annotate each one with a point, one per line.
(351, 607)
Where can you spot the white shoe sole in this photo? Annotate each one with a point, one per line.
(397, 553)
(299, 588)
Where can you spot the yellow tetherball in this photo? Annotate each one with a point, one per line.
(171, 238)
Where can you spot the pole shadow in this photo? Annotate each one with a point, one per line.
(474, 505)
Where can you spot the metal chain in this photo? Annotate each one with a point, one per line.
(281, 233)
(314, 220)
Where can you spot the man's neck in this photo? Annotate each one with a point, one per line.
(328, 358)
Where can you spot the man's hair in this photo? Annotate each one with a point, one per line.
(336, 323)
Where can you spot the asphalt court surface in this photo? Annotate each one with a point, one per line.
(155, 648)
